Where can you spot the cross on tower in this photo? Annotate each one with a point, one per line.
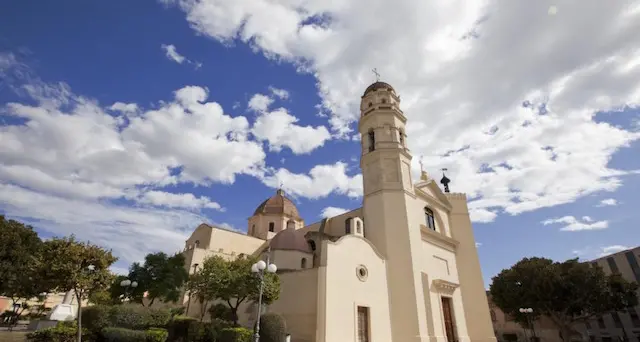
(375, 72)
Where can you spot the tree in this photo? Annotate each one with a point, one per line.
(566, 292)
(233, 283)
(19, 273)
(78, 266)
(160, 277)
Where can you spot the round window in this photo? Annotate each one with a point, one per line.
(362, 273)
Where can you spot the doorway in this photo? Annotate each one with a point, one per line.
(449, 323)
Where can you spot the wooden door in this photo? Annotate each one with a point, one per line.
(363, 324)
(449, 325)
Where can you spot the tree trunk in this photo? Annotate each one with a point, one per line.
(79, 299)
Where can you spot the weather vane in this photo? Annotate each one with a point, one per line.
(375, 72)
(281, 184)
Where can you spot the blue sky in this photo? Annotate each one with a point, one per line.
(80, 78)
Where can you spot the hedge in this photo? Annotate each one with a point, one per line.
(235, 335)
(63, 332)
(98, 317)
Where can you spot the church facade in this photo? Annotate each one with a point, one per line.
(403, 267)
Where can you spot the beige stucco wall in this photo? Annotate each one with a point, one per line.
(476, 307)
(298, 303)
(258, 225)
(343, 291)
(291, 260)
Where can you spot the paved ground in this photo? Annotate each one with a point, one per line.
(13, 336)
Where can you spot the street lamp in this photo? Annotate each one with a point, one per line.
(527, 312)
(128, 284)
(260, 268)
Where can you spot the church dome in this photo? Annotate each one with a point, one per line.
(278, 204)
(291, 240)
(377, 86)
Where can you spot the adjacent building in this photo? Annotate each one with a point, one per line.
(403, 267)
(617, 326)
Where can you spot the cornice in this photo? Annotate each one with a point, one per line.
(439, 239)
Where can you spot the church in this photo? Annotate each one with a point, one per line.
(403, 267)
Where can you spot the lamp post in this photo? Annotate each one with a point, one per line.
(128, 284)
(260, 268)
(528, 312)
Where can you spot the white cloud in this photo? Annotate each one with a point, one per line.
(259, 102)
(329, 212)
(171, 52)
(130, 232)
(126, 108)
(66, 160)
(280, 93)
(523, 112)
(609, 202)
(478, 244)
(280, 129)
(171, 200)
(571, 224)
(598, 252)
(612, 249)
(321, 181)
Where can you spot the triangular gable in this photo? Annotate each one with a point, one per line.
(433, 190)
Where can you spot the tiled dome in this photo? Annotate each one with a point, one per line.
(290, 239)
(278, 204)
(378, 85)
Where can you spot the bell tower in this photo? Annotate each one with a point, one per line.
(388, 203)
(385, 160)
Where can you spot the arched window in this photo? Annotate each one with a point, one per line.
(384, 100)
(431, 222)
(253, 229)
(197, 243)
(401, 134)
(312, 245)
(372, 140)
(303, 263)
(370, 104)
(272, 226)
(347, 226)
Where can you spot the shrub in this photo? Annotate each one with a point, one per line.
(124, 335)
(179, 326)
(273, 328)
(137, 317)
(221, 311)
(235, 335)
(157, 335)
(63, 332)
(96, 317)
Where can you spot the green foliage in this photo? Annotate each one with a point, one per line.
(60, 333)
(179, 326)
(74, 265)
(221, 311)
(273, 328)
(98, 317)
(233, 282)
(566, 291)
(161, 277)
(235, 335)
(157, 335)
(113, 334)
(20, 276)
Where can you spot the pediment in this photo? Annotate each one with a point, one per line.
(432, 190)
